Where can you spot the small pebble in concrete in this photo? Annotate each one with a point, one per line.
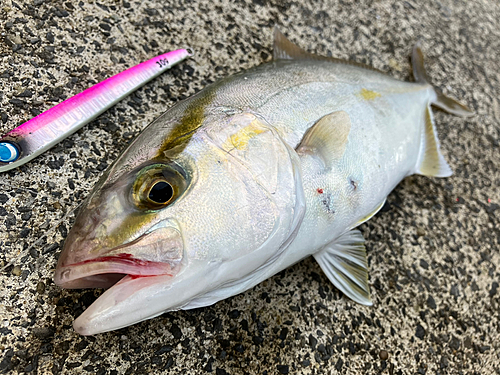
(283, 369)
(420, 332)
(16, 271)
(40, 288)
(383, 355)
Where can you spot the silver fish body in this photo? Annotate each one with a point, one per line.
(245, 178)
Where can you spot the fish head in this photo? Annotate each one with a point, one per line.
(173, 223)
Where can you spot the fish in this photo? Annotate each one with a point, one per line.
(247, 177)
(42, 132)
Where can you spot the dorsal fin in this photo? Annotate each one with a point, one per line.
(284, 49)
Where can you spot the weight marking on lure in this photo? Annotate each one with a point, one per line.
(162, 62)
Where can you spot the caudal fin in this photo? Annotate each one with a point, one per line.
(431, 162)
(446, 104)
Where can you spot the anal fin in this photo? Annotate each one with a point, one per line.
(344, 263)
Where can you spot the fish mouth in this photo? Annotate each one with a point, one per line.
(104, 272)
(158, 252)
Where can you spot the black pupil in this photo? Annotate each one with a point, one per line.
(161, 192)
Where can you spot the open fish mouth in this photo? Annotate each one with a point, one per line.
(104, 272)
(156, 253)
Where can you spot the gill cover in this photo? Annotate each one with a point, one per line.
(251, 145)
(256, 148)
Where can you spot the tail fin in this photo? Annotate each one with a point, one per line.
(446, 104)
(431, 162)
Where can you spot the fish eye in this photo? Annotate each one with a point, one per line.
(161, 192)
(158, 186)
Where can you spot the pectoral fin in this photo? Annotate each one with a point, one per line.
(344, 263)
(327, 138)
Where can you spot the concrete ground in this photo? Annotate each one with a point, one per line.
(433, 250)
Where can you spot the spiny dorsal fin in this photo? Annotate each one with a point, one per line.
(286, 50)
(327, 138)
(344, 263)
(431, 161)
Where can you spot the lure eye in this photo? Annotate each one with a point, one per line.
(9, 152)
(161, 192)
(157, 186)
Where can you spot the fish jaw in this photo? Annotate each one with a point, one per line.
(120, 306)
(124, 303)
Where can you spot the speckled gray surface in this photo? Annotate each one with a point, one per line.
(433, 250)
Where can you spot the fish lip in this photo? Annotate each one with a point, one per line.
(105, 271)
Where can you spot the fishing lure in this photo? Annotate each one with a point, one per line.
(34, 137)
